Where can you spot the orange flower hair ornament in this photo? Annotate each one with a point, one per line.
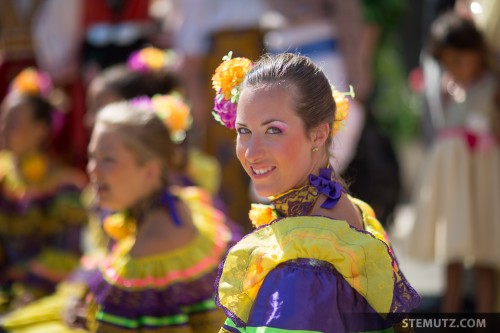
(172, 110)
(226, 82)
(32, 81)
(342, 110)
(150, 59)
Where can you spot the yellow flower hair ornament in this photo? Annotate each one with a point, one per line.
(33, 82)
(172, 110)
(226, 82)
(342, 108)
(151, 59)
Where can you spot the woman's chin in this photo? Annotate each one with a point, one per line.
(265, 191)
(109, 205)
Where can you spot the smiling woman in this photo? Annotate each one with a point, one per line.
(169, 240)
(319, 260)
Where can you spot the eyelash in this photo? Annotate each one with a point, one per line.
(270, 130)
(243, 130)
(275, 130)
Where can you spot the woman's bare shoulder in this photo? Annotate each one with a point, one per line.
(160, 234)
(344, 210)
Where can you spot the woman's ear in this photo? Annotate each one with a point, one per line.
(320, 134)
(153, 171)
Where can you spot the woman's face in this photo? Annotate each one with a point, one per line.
(20, 132)
(272, 144)
(118, 178)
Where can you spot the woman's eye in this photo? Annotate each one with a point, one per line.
(243, 130)
(273, 130)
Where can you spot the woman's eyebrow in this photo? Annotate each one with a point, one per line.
(271, 121)
(267, 122)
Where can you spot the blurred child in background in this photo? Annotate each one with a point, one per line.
(41, 214)
(457, 211)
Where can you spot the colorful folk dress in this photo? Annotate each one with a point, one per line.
(41, 218)
(302, 273)
(166, 292)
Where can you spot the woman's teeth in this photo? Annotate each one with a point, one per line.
(262, 171)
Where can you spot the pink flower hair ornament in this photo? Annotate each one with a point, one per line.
(226, 82)
(151, 59)
(172, 111)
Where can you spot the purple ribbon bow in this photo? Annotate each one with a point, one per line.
(327, 186)
(168, 200)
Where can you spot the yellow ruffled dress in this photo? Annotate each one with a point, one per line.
(166, 292)
(314, 274)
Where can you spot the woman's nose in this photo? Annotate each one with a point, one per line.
(255, 149)
(92, 168)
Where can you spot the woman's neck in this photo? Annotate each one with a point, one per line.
(315, 169)
(151, 201)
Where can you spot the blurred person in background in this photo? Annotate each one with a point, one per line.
(76, 39)
(374, 172)
(458, 190)
(149, 72)
(41, 212)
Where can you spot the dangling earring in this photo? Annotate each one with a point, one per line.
(315, 149)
